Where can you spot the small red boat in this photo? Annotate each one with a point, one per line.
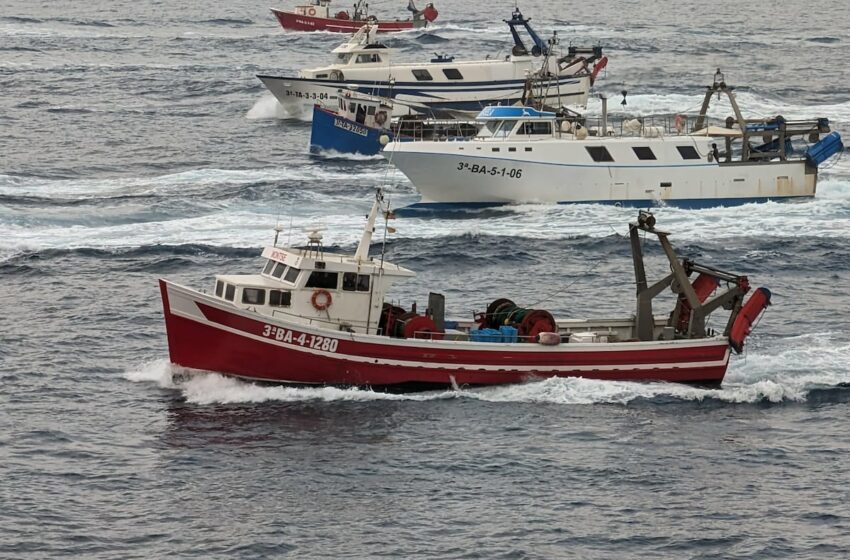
(317, 16)
(311, 317)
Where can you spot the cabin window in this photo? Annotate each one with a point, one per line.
(321, 76)
(343, 58)
(512, 149)
(370, 110)
(644, 152)
(535, 127)
(367, 58)
(503, 128)
(230, 292)
(278, 270)
(322, 279)
(452, 73)
(269, 266)
(253, 296)
(688, 152)
(599, 153)
(422, 75)
(360, 116)
(279, 298)
(351, 281)
(292, 274)
(219, 288)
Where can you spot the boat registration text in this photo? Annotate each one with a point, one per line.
(512, 172)
(307, 340)
(351, 127)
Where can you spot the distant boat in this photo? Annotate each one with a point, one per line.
(442, 87)
(312, 317)
(525, 155)
(317, 16)
(362, 124)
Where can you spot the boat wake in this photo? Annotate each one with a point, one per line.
(804, 365)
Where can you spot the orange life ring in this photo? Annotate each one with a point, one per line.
(327, 299)
(380, 117)
(311, 11)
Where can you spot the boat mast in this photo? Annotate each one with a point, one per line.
(362, 253)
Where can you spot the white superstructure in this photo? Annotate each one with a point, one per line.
(524, 155)
(442, 86)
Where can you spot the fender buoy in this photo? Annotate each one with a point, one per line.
(311, 11)
(321, 299)
(336, 76)
(380, 118)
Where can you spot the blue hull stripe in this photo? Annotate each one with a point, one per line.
(418, 88)
(685, 203)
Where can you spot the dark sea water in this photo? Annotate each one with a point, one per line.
(136, 143)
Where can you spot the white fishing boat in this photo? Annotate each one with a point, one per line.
(525, 155)
(442, 86)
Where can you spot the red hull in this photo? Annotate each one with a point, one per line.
(205, 335)
(296, 22)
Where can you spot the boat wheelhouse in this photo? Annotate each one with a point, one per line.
(525, 155)
(311, 317)
(443, 87)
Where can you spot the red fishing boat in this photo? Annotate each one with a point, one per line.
(317, 16)
(311, 317)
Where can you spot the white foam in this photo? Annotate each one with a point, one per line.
(213, 388)
(156, 371)
(752, 105)
(788, 370)
(267, 107)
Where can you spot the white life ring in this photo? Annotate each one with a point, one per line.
(311, 11)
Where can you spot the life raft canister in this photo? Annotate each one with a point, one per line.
(321, 299)
(746, 317)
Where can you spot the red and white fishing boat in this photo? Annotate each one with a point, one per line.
(317, 16)
(311, 317)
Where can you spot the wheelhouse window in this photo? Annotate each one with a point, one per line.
(292, 274)
(452, 73)
(219, 288)
(644, 152)
(599, 153)
(253, 296)
(367, 58)
(343, 58)
(360, 115)
(280, 298)
(351, 282)
(269, 266)
(278, 270)
(535, 127)
(688, 152)
(496, 129)
(422, 75)
(322, 279)
(230, 292)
